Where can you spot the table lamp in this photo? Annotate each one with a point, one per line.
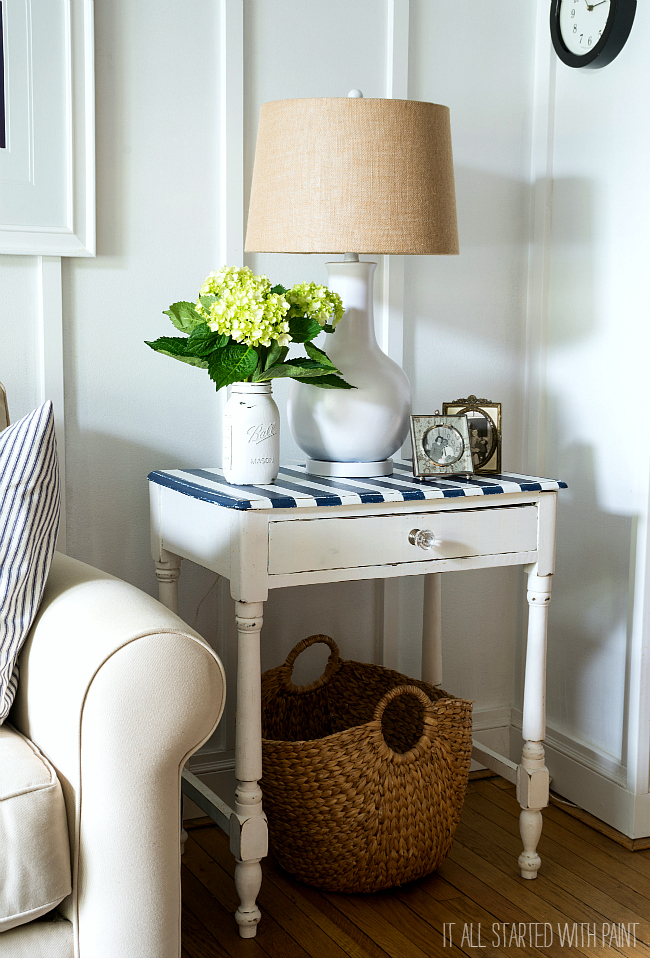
(352, 175)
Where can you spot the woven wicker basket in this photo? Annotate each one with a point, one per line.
(365, 773)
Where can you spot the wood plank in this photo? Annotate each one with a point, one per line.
(351, 939)
(585, 877)
(632, 844)
(505, 912)
(219, 922)
(590, 854)
(482, 858)
(272, 899)
(614, 900)
(556, 889)
(639, 861)
(270, 935)
(395, 941)
(197, 939)
(424, 930)
(466, 924)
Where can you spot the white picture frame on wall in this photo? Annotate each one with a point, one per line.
(47, 163)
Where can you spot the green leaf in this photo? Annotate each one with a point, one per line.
(204, 341)
(279, 289)
(328, 328)
(329, 382)
(184, 316)
(276, 354)
(207, 301)
(303, 328)
(295, 369)
(315, 353)
(232, 364)
(175, 347)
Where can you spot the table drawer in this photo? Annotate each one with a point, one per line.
(302, 545)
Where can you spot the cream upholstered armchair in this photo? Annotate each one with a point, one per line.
(115, 693)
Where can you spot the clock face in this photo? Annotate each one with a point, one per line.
(443, 445)
(582, 24)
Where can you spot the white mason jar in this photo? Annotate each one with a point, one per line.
(251, 435)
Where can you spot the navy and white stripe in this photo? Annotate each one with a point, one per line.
(29, 521)
(295, 488)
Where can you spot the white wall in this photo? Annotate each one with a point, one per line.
(128, 411)
(468, 322)
(595, 390)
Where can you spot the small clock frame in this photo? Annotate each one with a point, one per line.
(614, 34)
(441, 445)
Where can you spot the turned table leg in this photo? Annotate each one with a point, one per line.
(248, 828)
(168, 569)
(532, 774)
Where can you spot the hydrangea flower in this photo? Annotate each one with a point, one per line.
(250, 325)
(244, 307)
(318, 302)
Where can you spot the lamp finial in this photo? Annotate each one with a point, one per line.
(355, 95)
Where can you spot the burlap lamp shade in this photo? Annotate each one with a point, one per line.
(339, 174)
(351, 175)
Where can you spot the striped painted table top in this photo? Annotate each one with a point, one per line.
(294, 488)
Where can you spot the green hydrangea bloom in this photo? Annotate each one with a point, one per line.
(245, 308)
(318, 302)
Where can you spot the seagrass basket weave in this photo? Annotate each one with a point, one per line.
(364, 773)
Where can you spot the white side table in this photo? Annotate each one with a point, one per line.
(269, 537)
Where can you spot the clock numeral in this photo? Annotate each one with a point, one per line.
(575, 27)
(573, 12)
(590, 41)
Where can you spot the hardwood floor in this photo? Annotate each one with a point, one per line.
(591, 898)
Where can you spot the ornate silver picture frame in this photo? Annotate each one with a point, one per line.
(484, 420)
(441, 445)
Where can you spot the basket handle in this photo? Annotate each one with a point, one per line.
(428, 720)
(333, 663)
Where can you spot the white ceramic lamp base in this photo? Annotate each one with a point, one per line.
(353, 432)
(350, 470)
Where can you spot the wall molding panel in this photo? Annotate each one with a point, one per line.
(50, 363)
(541, 179)
(231, 78)
(390, 328)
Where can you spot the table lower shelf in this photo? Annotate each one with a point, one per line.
(220, 812)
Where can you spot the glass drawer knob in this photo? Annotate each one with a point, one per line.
(423, 538)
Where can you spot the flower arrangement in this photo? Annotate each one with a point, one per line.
(240, 329)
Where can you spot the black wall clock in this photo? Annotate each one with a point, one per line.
(590, 33)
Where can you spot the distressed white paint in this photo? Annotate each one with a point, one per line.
(261, 547)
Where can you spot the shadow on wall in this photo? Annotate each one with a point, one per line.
(572, 299)
(589, 612)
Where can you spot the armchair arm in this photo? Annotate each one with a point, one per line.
(118, 692)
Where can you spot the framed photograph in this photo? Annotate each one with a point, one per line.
(47, 128)
(441, 445)
(484, 421)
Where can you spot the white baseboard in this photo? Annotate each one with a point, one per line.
(593, 780)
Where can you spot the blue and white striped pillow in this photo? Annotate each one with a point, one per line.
(29, 521)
